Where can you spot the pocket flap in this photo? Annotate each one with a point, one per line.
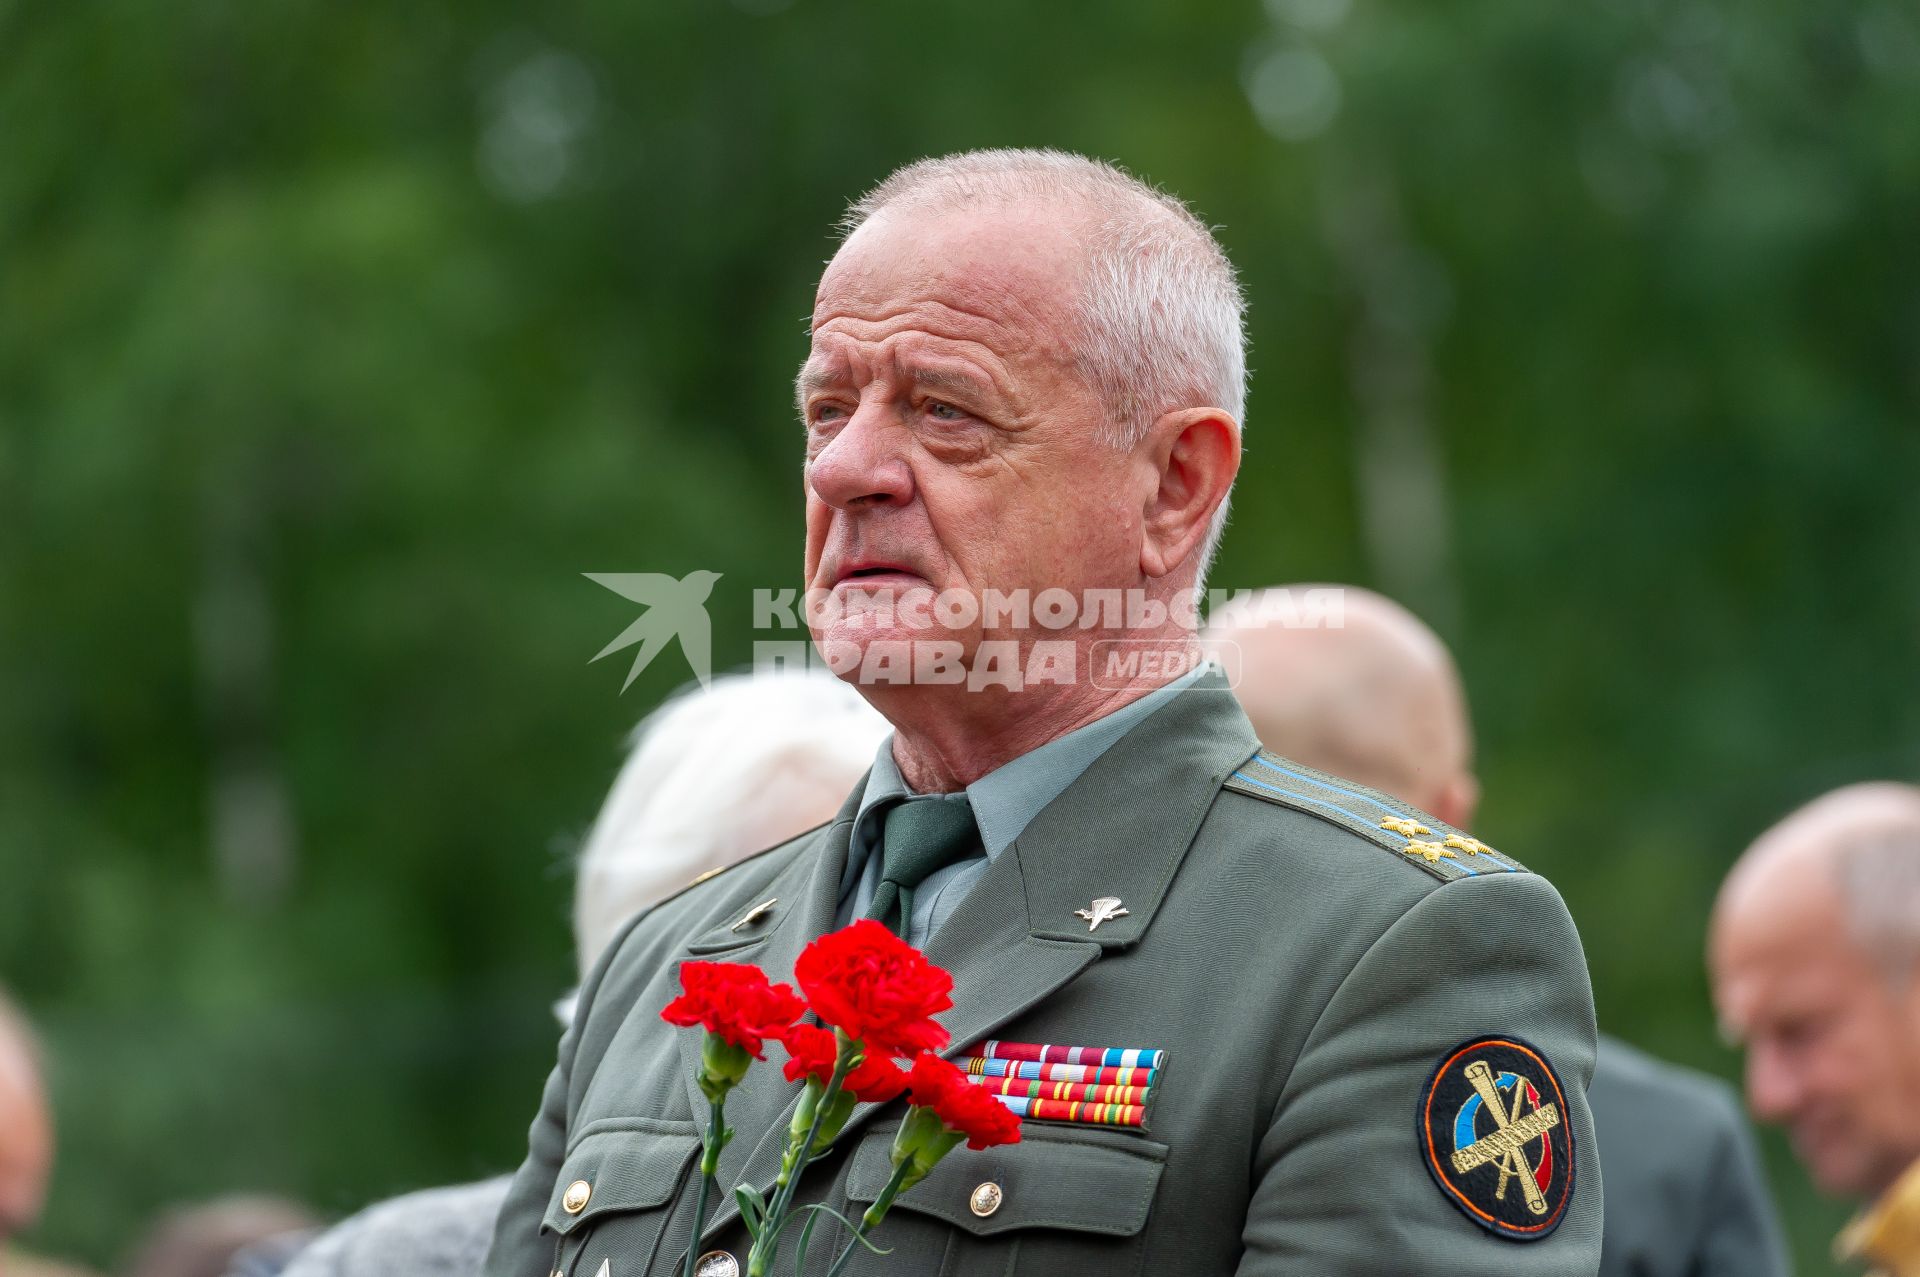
(1088, 1181)
(628, 1164)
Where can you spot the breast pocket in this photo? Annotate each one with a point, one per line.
(615, 1193)
(1062, 1201)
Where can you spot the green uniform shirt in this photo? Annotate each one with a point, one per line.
(1322, 999)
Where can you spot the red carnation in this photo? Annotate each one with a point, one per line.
(734, 1002)
(815, 1053)
(963, 1107)
(874, 986)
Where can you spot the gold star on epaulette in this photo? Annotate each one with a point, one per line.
(1405, 828)
(1431, 850)
(1472, 846)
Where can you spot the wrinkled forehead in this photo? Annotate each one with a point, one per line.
(1016, 266)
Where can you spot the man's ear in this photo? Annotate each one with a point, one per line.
(1458, 800)
(1194, 454)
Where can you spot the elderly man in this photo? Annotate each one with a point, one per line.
(1813, 953)
(1025, 384)
(1377, 697)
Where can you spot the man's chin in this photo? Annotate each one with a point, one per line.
(874, 605)
(1836, 1171)
(882, 656)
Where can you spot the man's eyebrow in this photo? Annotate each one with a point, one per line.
(812, 377)
(953, 382)
(816, 377)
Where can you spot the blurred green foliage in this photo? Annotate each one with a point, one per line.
(337, 341)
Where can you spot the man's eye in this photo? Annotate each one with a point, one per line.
(828, 412)
(941, 411)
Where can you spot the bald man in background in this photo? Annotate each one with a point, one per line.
(1372, 694)
(26, 1145)
(1815, 957)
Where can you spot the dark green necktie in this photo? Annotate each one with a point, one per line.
(920, 838)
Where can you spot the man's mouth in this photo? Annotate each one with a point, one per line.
(1808, 1137)
(877, 574)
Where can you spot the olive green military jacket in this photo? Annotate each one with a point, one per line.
(1318, 992)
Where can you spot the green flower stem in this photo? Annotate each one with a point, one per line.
(709, 1172)
(871, 1219)
(765, 1246)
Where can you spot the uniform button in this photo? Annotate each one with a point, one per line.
(576, 1197)
(986, 1199)
(716, 1263)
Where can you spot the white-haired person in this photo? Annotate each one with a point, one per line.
(711, 776)
(1814, 953)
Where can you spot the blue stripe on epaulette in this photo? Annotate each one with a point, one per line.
(1290, 784)
(1351, 793)
(1368, 798)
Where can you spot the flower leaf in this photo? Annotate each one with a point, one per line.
(806, 1235)
(753, 1208)
(851, 1227)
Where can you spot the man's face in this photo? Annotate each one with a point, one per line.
(1832, 1049)
(951, 441)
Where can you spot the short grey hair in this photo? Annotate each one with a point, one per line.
(1878, 871)
(1161, 313)
(712, 776)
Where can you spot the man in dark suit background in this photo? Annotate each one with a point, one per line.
(1377, 698)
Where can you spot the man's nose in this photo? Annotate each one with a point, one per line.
(864, 462)
(1773, 1086)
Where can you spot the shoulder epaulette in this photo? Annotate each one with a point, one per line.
(720, 870)
(1443, 851)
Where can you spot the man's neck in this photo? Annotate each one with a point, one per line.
(944, 743)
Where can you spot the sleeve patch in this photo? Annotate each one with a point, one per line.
(1497, 1138)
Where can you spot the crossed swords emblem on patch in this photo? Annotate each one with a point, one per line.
(1507, 1146)
(1494, 1116)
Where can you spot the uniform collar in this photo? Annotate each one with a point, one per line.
(1006, 799)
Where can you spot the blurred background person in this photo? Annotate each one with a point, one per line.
(1814, 954)
(1374, 697)
(230, 1237)
(26, 1145)
(711, 777)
